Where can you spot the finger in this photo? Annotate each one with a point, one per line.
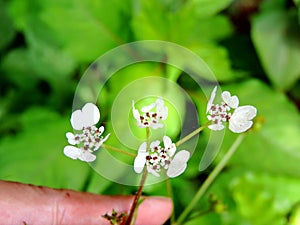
(28, 204)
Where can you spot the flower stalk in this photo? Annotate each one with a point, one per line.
(134, 206)
(112, 148)
(210, 179)
(191, 135)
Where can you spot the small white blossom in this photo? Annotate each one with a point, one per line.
(89, 139)
(218, 114)
(158, 158)
(151, 114)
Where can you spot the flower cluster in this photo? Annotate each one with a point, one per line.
(159, 157)
(218, 114)
(90, 139)
(152, 114)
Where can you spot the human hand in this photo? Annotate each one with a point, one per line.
(28, 204)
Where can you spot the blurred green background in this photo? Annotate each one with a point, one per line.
(252, 46)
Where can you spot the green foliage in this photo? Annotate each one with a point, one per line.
(188, 27)
(278, 46)
(264, 199)
(280, 126)
(7, 31)
(253, 50)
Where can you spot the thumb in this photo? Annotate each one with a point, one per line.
(28, 204)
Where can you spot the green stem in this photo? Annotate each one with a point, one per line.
(209, 180)
(108, 147)
(147, 138)
(192, 134)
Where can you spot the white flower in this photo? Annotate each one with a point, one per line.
(158, 158)
(218, 114)
(90, 139)
(150, 118)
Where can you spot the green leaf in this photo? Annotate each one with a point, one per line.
(264, 199)
(272, 5)
(183, 26)
(218, 61)
(7, 31)
(86, 29)
(18, 11)
(45, 55)
(206, 8)
(274, 147)
(16, 66)
(278, 46)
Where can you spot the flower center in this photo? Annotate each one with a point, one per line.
(219, 113)
(90, 138)
(149, 118)
(157, 158)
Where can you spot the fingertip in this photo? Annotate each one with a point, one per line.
(154, 211)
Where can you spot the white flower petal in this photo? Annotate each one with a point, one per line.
(98, 145)
(169, 145)
(91, 114)
(212, 98)
(71, 138)
(178, 164)
(167, 141)
(101, 130)
(72, 152)
(231, 101)
(216, 126)
(152, 171)
(161, 109)
(139, 162)
(156, 125)
(240, 120)
(105, 138)
(88, 116)
(239, 127)
(135, 112)
(86, 156)
(154, 144)
(163, 113)
(142, 148)
(148, 108)
(77, 120)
